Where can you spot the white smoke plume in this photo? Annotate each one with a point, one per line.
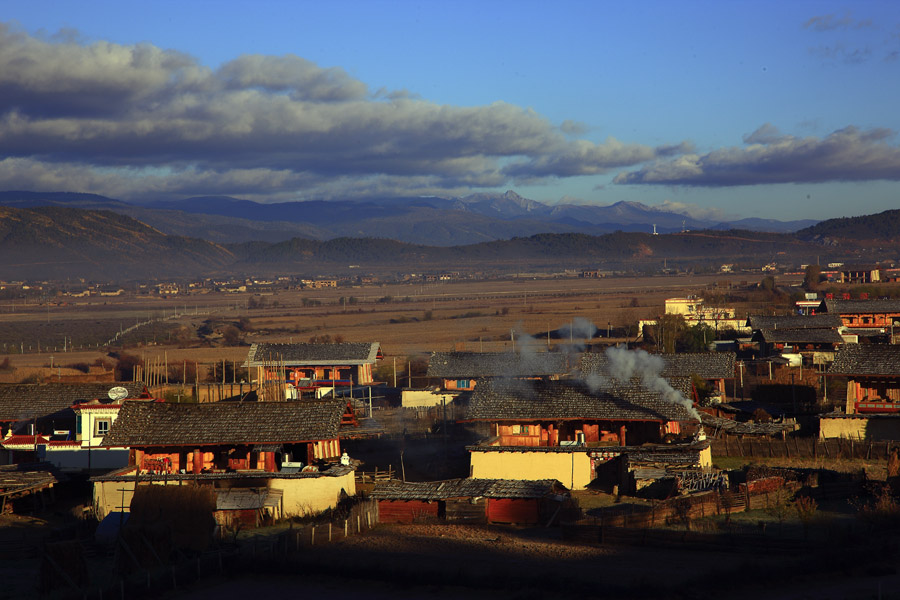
(578, 331)
(624, 364)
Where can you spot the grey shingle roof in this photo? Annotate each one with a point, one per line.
(708, 365)
(19, 401)
(464, 488)
(497, 400)
(798, 336)
(820, 321)
(347, 353)
(739, 428)
(499, 364)
(843, 307)
(20, 478)
(866, 359)
(224, 423)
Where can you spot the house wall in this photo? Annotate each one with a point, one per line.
(78, 459)
(862, 319)
(423, 398)
(401, 511)
(462, 385)
(869, 429)
(573, 469)
(325, 449)
(304, 496)
(309, 495)
(842, 428)
(534, 434)
(86, 422)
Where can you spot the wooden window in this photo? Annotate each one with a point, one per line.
(462, 384)
(101, 426)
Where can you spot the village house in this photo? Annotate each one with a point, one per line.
(301, 367)
(680, 369)
(36, 414)
(872, 410)
(695, 312)
(92, 422)
(812, 338)
(459, 370)
(289, 451)
(864, 316)
(566, 431)
(315, 284)
(859, 274)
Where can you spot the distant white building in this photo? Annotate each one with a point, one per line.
(694, 312)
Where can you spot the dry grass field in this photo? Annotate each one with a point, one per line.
(406, 319)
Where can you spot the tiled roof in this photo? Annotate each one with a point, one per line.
(465, 488)
(16, 479)
(499, 364)
(23, 442)
(347, 353)
(820, 321)
(496, 400)
(846, 307)
(708, 365)
(20, 401)
(799, 336)
(683, 385)
(224, 423)
(866, 359)
(128, 474)
(738, 428)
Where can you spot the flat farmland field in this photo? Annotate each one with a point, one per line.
(406, 319)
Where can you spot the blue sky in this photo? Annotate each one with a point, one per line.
(731, 109)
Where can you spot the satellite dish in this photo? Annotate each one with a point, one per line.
(117, 393)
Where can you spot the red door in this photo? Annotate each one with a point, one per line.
(512, 510)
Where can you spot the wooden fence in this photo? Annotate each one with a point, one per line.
(758, 494)
(376, 476)
(795, 447)
(362, 517)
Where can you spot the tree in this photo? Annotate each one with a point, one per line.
(698, 338)
(812, 278)
(231, 335)
(125, 366)
(669, 330)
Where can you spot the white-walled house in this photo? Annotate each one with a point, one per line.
(92, 421)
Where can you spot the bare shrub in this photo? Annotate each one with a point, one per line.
(806, 508)
(882, 510)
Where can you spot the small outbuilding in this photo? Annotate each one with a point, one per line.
(471, 501)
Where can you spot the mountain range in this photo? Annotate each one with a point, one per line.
(425, 220)
(64, 236)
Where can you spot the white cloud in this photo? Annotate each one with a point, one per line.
(849, 154)
(110, 111)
